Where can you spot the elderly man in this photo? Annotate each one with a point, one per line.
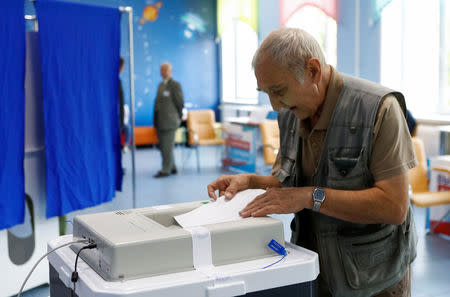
(341, 168)
(167, 118)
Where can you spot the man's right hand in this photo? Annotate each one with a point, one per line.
(229, 185)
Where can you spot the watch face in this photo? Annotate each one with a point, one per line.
(319, 194)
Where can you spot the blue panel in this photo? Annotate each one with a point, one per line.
(269, 20)
(370, 44)
(12, 109)
(369, 40)
(346, 37)
(80, 63)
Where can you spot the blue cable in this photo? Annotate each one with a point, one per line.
(284, 256)
(279, 249)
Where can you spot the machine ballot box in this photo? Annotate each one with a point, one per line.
(440, 181)
(197, 248)
(293, 276)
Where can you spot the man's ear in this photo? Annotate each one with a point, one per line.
(314, 70)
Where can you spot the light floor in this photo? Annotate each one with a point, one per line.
(431, 269)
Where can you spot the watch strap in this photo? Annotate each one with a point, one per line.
(316, 206)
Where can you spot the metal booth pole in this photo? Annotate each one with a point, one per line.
(129, 10)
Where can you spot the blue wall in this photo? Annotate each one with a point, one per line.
(268, 20)
(184, 34)
(369, 40)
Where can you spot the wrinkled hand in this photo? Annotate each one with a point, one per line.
(279, 201)
(229, 185)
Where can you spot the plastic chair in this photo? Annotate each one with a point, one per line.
(200, 126)
(145, 135)
(418, 180)
(270, 134)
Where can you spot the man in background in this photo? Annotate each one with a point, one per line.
(167, 118)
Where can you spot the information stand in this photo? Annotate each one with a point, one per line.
(240, 147)
(440, 181)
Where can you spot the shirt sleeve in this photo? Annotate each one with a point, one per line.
(392, 148)
(277, 164)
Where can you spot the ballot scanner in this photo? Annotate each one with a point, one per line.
(146, 253)
(148, 241)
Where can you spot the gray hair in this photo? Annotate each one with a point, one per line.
(291, 48)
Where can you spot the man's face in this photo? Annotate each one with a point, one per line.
(166, 71)
(285, 91)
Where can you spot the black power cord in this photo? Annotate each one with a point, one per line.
(75, 273)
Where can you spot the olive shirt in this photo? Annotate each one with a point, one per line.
(392, 152)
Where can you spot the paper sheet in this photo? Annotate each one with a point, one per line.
(222, 210)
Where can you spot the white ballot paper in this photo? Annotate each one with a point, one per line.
(219, 211)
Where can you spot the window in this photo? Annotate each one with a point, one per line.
(415, 51)
(239, 43)
(322, 27)
(445, 55)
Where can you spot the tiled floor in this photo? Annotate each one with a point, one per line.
(431, 269)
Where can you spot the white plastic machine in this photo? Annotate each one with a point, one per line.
(145, 253)
(148, 241)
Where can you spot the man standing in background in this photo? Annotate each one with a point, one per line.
(167, 118)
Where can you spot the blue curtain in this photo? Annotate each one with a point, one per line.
(80, 66)
(12, 109)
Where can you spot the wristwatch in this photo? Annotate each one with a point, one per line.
(318, 198)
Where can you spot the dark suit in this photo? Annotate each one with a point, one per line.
(167, 118)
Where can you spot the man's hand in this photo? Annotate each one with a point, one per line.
(279, 201)
(229, 185)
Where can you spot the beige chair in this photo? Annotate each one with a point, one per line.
(201, 130)
(418, 180)
(270, 134)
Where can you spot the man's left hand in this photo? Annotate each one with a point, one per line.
(279, 201)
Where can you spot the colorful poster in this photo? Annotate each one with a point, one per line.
(240, 148)
(440, 181)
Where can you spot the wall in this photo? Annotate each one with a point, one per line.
(183, 34)
(368, 64)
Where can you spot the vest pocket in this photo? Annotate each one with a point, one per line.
(372, 259)
(347, 168)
